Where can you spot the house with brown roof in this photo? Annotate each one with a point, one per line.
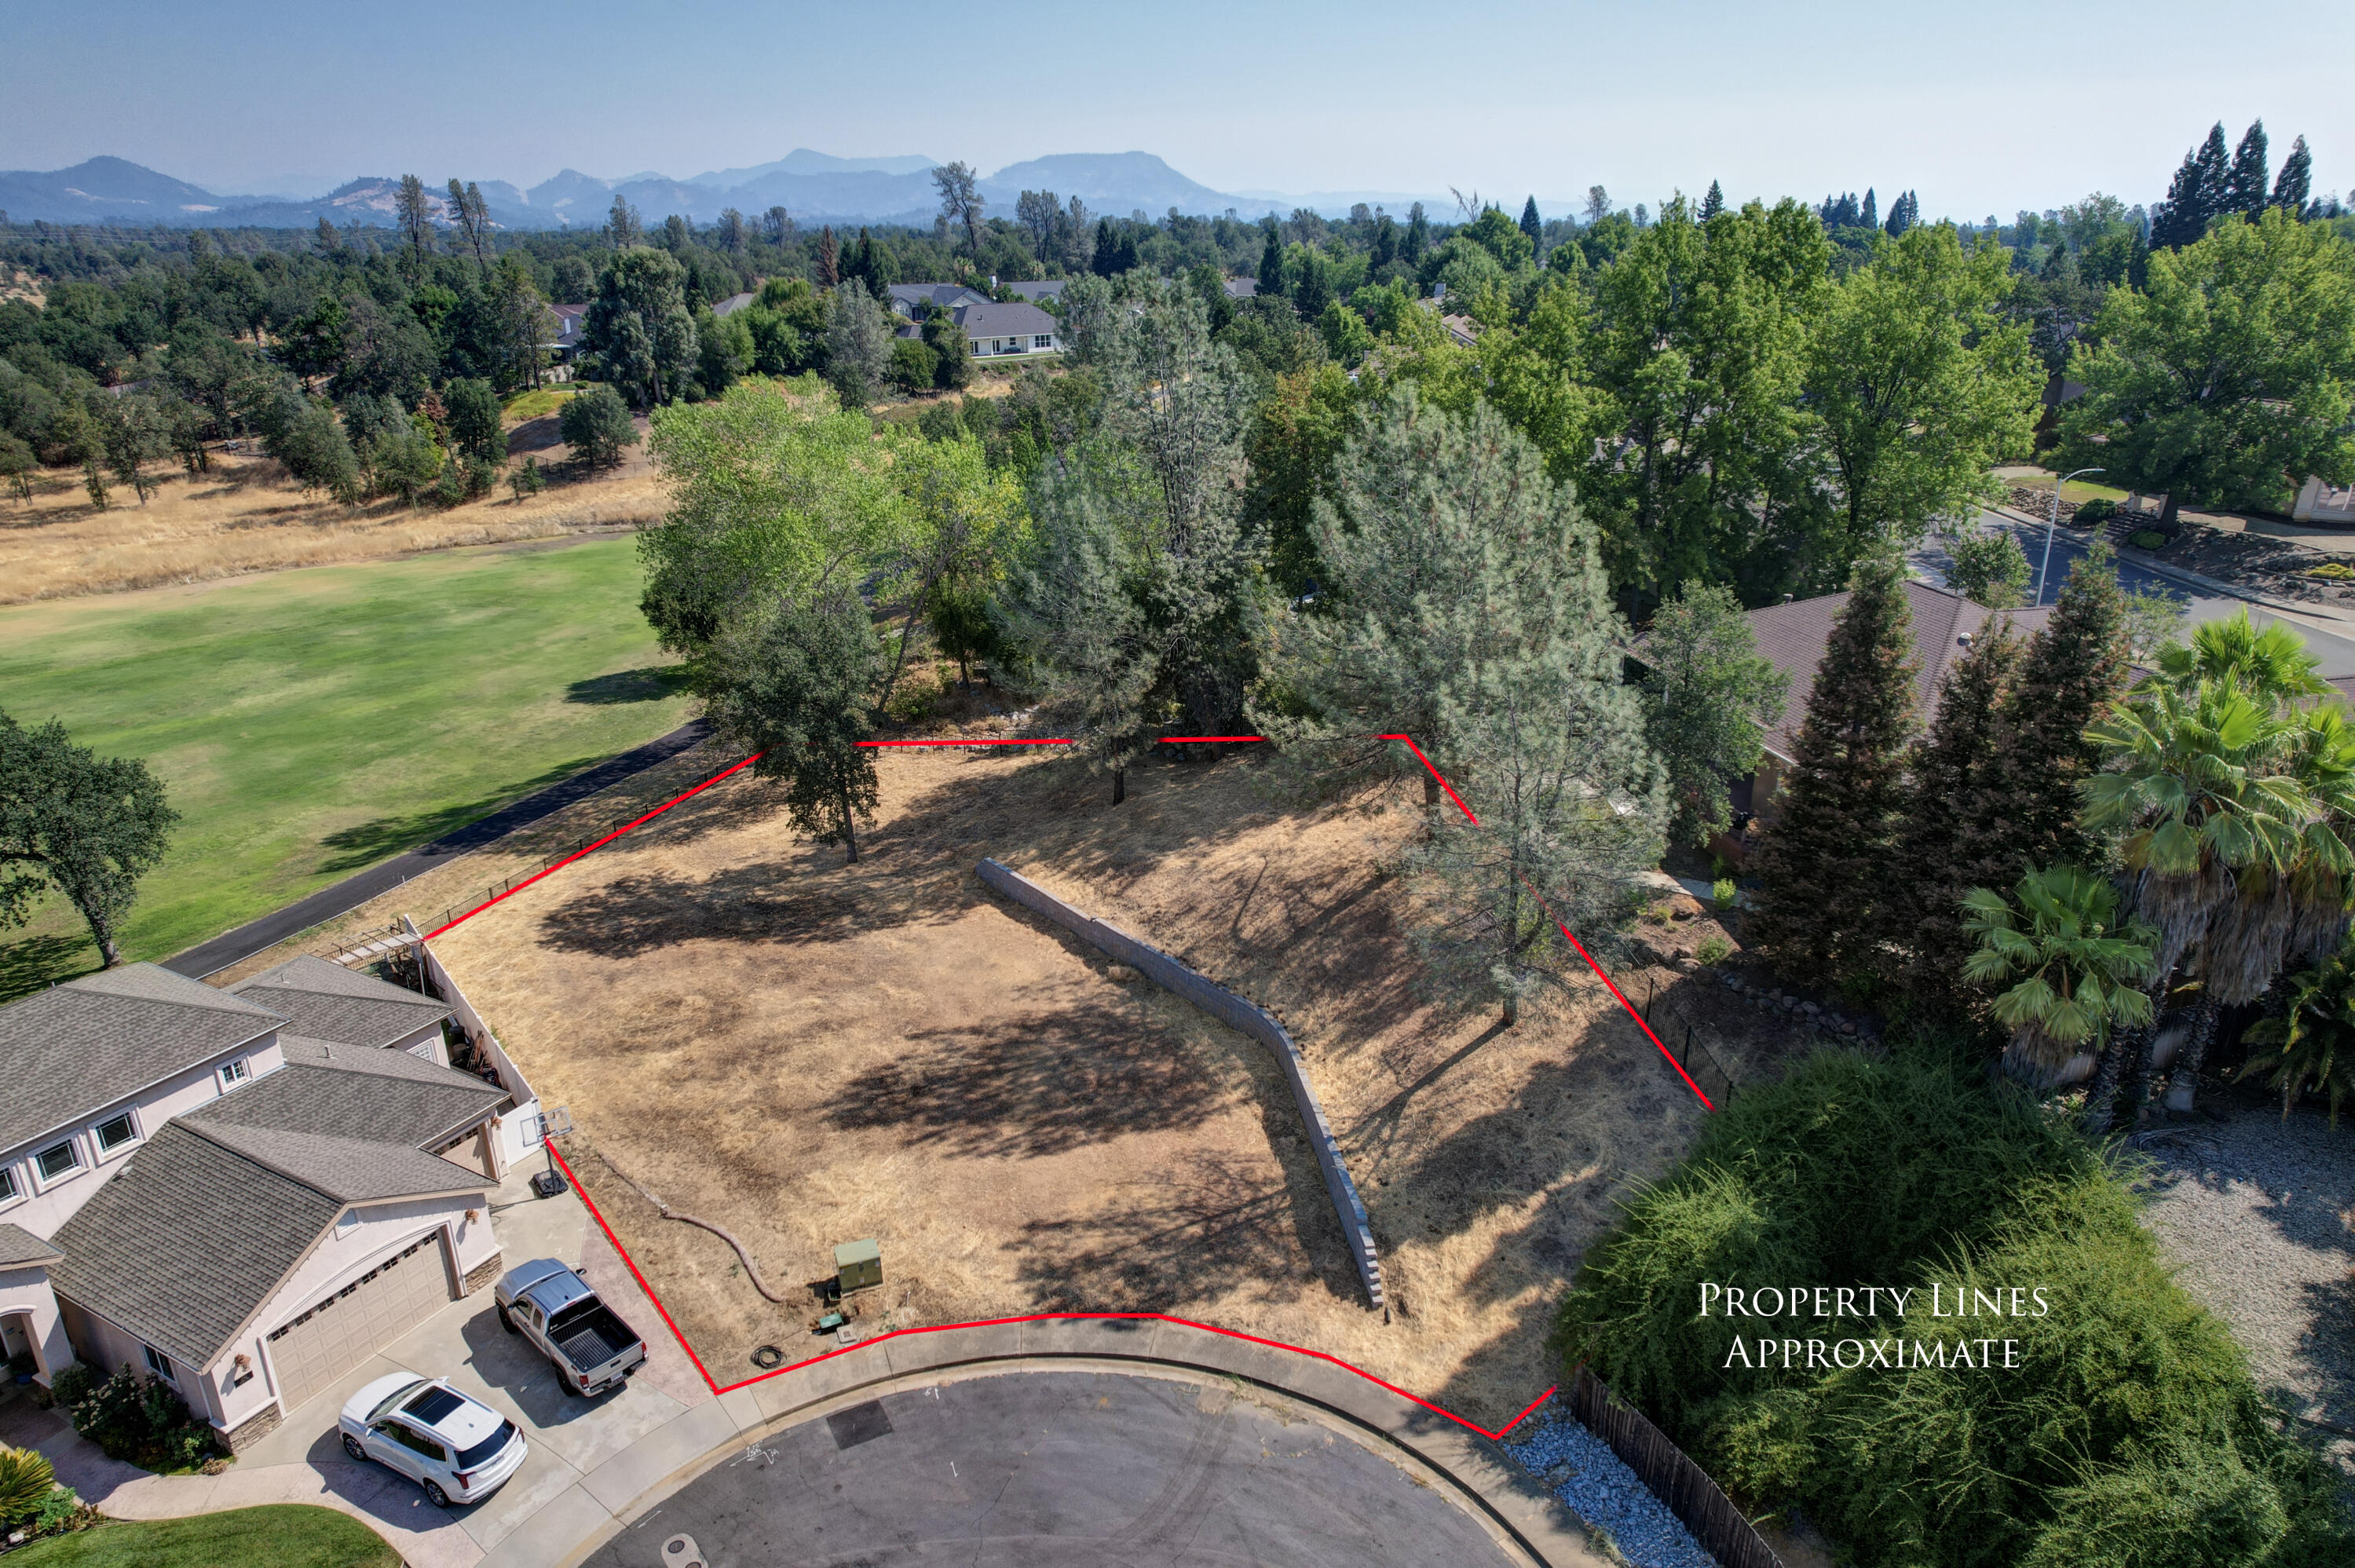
(1792, 637)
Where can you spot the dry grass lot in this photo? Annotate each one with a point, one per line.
(246, 516)
(809, 1053)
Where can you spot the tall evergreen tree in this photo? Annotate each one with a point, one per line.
(1417, 238)
(2296, 181)
(2245, 183)
(1533, 224)
(1818, 918)
(1870, 215)
(829, 259)
(1271, 261)
(2193, 195)
(2075, 669)
(1713, 203)
(1954, 838)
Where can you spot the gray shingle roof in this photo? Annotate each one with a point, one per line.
(328, 1001)
(903, 296)
(337, 1099)
(1041, 289)
(1793, 638)
(185, 1242)
(992, 319)
(207, 1216)
(19, 1248)
(91, 1041)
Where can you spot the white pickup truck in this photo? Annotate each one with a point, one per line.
(554, 1308)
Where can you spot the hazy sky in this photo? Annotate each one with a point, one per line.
(1984, 107)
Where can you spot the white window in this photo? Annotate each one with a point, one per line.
(158, 1362)
(7, 1184)
(1042, 340)
(59, 1159)
(116, 1132)
(233, 1073)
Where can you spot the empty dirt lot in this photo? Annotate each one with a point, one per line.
(808, 1053)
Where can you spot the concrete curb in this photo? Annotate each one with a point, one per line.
(581, 1519)
(1356, 1230)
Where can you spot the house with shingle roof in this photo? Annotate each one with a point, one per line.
(242, 1192)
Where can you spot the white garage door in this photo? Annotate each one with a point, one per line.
(337, 1333)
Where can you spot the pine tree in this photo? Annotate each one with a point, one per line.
(2292, 186)
(1713, 203)
(1533, 224)
(1954, 838)
(1820, 918)
(2194, 195)
(1271, 261)
(1869, 218)
(829, 259)
(2074, 667)
(2245, 182)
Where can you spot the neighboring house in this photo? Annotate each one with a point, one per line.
(1793, 638)
(571, 329)
(198, 1187)
(995, 329)
(734, 303)
(2329, 504)
(907, 297)
(1032, 291)
(1243, 288)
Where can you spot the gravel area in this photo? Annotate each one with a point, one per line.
(1595, 1485)
(2258, 1214)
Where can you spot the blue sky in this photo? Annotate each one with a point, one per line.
(1985, 107)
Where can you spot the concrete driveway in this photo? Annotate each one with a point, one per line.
(303, 1460)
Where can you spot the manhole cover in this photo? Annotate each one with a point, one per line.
(860, 1424)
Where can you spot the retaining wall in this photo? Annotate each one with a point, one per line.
(1236, 1013)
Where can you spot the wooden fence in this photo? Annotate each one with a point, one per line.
(1682, 1487)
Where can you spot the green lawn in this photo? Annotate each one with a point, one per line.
(309, 723)
(532, 404)
(283, 1535)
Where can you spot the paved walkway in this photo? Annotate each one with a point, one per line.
(597, 1466)
(341, 897)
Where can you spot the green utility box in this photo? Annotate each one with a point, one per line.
(857, 1265)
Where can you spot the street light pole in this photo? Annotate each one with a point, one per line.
(2053, 523)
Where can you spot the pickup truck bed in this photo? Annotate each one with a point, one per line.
(590, 1336)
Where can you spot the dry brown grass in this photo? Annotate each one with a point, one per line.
(246, 515)
(808, 1053)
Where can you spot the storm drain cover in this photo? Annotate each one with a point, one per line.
(860, 1424)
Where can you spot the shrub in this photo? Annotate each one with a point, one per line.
(2333, 569)
(481, 474)
(1713, 949)
(25, 1482)
(528, 480)
(2100, 509)
(2127, 1396)
(2147, 538)
(912, 365)
(451, 487)
(143, 1421)
(1722, 893)
(71, 1385)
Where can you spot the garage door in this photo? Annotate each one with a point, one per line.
(340, 1331)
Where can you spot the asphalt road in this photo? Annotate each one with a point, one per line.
(1059, 1469)
(340, 897)
(2336, 650)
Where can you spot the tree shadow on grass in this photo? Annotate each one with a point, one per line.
(651, 683)
(29, 963)
(1033, 1083)
(364, 844)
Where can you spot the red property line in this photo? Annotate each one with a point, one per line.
(965, 743)
(999, 1322)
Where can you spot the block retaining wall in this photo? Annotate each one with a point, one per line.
(1236, 1013)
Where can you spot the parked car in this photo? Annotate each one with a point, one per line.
(554, 1308)
(459, 1449)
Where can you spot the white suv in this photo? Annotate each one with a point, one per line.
(460, 1450)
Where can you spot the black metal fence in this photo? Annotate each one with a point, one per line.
(1689, 1043)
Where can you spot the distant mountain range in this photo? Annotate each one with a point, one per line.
(814, 188)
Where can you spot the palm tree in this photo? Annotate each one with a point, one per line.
(2074, 969)
(2271, 665)
(2197, 780)
(2316, 1038)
